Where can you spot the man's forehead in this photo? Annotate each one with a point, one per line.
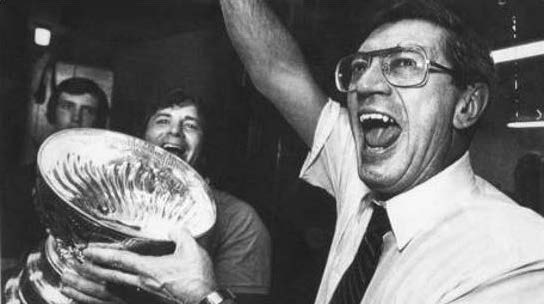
(406, 32)
(81, 99)
(188, 110)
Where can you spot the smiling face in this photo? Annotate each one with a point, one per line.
(177, 129)
(403, 135)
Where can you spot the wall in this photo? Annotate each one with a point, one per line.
(14, 65)
(496, 148)
(202, 64)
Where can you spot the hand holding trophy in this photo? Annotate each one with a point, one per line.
(107, 187)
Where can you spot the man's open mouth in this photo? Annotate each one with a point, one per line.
(177, 150)
(379, 130)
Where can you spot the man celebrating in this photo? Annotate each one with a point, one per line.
(415, 89)
(239, 243)
(415, 224)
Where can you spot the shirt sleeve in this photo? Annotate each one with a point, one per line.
(243, 257)
(522, 285)
(331, 163)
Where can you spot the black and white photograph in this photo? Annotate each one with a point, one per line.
(272, 152)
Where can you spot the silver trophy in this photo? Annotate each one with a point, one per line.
(104, 186)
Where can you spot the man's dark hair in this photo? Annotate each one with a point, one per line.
(467, 52)
(176, 97)
(80, 86)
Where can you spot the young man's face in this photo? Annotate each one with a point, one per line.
(397, 157)
(177, 129)
(75, 111)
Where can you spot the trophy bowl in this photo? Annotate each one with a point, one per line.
(103, 186)
(111, 186)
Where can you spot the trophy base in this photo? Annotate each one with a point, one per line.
(39, 282)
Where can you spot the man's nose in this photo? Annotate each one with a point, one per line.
(373, 81)
(176, 129)
(76, 114)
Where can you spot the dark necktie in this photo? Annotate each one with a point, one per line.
(352, 286)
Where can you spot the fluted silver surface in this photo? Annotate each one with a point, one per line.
(104, 186)
(125, 184)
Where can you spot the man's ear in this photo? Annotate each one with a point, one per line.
(471, 105)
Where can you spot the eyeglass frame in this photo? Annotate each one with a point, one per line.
(429, 64)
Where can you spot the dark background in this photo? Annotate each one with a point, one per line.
(251, 152)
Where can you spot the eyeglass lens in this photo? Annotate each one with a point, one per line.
(404, 67)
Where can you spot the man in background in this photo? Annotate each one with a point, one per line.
(239, 244)
(74, 103)
(77, 103)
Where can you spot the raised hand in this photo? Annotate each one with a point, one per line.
(275, 63)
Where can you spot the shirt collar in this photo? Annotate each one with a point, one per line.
(422, 207)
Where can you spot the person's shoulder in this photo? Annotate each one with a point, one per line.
(331, 112)
(336, 108)
(500, 208)
(509, 227)
(496, 241)
(233, 211)
(228, 203)
(238, 223)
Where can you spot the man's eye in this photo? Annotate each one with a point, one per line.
(161, 121)
(90, 111)
(65, 105)
(403, 63)
(191, 126)
(358, 66)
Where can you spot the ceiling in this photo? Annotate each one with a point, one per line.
(120, 22)
(326, 29)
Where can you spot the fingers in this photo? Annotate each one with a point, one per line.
(107, 245)
(120, 259)
(87, 270)
(86, 291)
(183, 239)
(187, 273)
(83, 298)
(179, 234)
(85, 286)
(107, 274)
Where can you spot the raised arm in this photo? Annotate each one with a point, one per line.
(274, 63)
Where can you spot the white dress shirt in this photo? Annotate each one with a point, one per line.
(455, 238)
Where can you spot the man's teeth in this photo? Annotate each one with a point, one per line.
(376, 116)
(171, 147)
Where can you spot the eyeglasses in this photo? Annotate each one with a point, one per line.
(406, 66)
